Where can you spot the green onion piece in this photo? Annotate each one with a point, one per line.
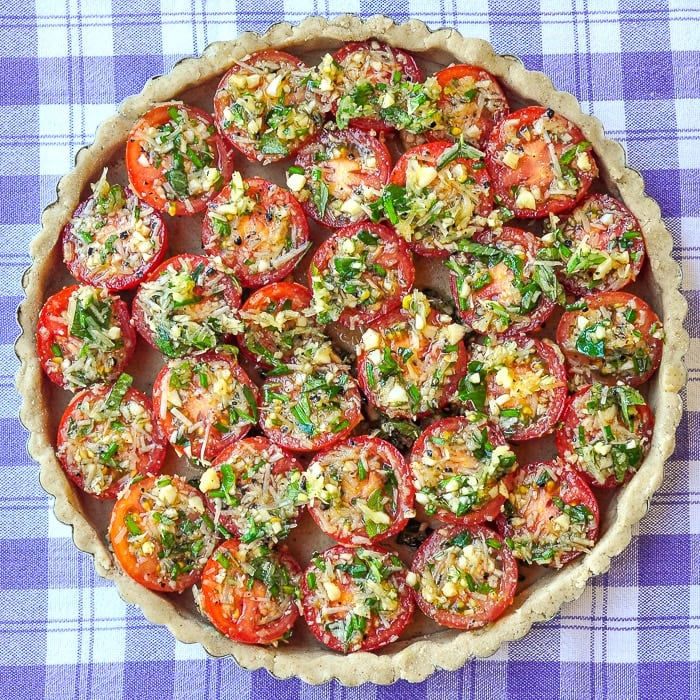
(118, 391)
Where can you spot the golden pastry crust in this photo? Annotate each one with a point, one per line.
(424, 647)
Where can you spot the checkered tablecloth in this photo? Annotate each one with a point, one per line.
(64, 632)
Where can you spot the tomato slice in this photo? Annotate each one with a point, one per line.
(364, 64)
(460, 467)
(605, 433)
(356, 598)
(161, 533)
(410, 361)
(203, 403)
(436, 198)
(360, 490)
(359, 273)
(257, 228)
(540, 162)
(255, 489)
(338, 174)
(498, 285)
(614, 337)
(464, 577)
(279, 325)
(250, 593)
(311, 407)
(84, 337)
(263, 108)
(471, 102)
(520, 383)
(176, 160)
(599, 246)
(551, 515)
(108, 435)
(113, 239)
(187, 303)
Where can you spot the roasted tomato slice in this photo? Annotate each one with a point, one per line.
(605, 433)
(255, 487)
(162, 533)
(84, 337)
(464, 577)
(460, 467)
(437, 198)
(250, 592)
(356, 598)
(360, 490)
(410, 361)
(113, 238)
(520, 383)
(107, 436)
(279, 325)
(613, 337)
(203, 403)
(365, 67)
(551, 515)
(359, 273)
(176, 160)
(599, 246)
(499, 286)
(311, 407)
(263, 108)
(471, 102)
(338, 174)
(188, 303)
(540, 162)
(257, 229)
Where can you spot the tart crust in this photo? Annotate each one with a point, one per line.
(424, 647)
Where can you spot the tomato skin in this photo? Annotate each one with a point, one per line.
(135, 508)
(564, 484)
(394, 257)
(587, 224)
(470, 309)
(426, 240)
(254, 230)
(200, 408)
(395, 328)
(235, 601)
(144, 177)
(237, 455)
(341, 164)
(52, 334)
(580, 419)
(630, 349)
(532, 166)
(75, 253)
(228, 291)
(265, 345)
(399, 60)
(477, 123)
(443, 430)
(286, 394)
(490, 606)
(314, 597)
(149, 461)
(352, 489)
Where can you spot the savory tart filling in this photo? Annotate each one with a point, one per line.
(356, 598)
(189, 303)
(257, 490)
(411, 360)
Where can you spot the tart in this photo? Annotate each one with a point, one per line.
(423, 645)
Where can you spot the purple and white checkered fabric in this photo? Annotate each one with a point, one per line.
(64, 632)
